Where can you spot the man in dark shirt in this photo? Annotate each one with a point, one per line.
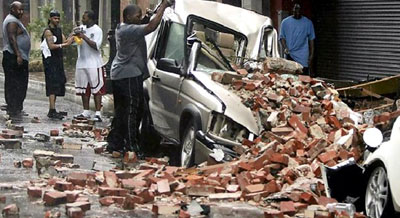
(128, 71)
(53, 64)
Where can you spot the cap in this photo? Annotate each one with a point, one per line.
(54, 13)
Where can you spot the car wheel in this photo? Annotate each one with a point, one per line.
(378, 200)
(187, 144)
(149, 138)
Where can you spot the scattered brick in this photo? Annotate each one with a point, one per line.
(106, 201)
(3, 199)
(53, 198)
(82, 205)
(255, 188)
(75, 212)
(63, 186)
(54, 132)
(107, 191)
(34, 192)
(287, 207)
(10, 210)
(11, 143)
(130, 157)
(27, 163)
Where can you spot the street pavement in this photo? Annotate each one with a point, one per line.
(14, 181)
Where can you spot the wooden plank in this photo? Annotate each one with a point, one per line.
(383, 86)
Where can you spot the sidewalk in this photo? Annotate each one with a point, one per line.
(37, 85)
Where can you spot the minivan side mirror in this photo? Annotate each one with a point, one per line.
(169, 65)
(373, 137)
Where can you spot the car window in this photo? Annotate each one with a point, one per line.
(208, 63)
(174, 45)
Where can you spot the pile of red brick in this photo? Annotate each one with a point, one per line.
(305, 125)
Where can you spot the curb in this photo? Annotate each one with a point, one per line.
(39, 87)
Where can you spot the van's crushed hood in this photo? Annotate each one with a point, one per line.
(235, 109)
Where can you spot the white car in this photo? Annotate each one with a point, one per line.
(373, 187)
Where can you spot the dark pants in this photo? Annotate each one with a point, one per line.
(16, 82)
(306, 70)
(128, 111)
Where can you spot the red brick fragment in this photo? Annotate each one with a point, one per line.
(272, 213)
(54, 132)
(27, 163)
(146, 195)
(129, 203)
(272, 187)
(72, 196)
(34, 192)
(63, 186)
(279, 158)
(282, 130)
(250, 86)
(295, 122)
(184, 214)
(78, 178)
(335, 122)
(308, 198)
(254, 188)
(305, 79)
(53, 198)
(287, 207)
(83, 205)
(327, 156)
(133, 184)
(242, 72)
(107, 191)
(325, 200)
(2, 199)
(130, 157)
(106, 201)
(245, 166)
(163, 187)
(10, 210)
(111, 179)
(301, 109)
(343, 154)
(75, 212)
(237, 84)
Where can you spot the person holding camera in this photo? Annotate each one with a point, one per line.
(128, 71)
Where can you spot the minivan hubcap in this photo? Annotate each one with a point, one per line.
(187, 147)
(377, 193)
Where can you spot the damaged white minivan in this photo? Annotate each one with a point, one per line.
(184, 105)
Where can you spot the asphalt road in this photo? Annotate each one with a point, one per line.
(13, 181)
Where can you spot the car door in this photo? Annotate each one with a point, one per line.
(165, 82)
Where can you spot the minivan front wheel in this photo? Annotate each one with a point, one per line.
(188, 144)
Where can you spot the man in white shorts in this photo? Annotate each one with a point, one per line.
(89, 75)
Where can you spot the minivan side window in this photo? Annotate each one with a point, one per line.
(174, 45)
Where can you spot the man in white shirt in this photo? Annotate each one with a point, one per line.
(89, 75)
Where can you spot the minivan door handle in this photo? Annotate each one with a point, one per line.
(156, 78)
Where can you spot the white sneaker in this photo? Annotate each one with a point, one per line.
(97, 118)
(81, 116)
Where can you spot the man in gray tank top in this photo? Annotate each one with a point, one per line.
(16, 48)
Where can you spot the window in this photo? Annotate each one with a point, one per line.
(174, 45)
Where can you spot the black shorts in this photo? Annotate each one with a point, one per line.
(54, 76)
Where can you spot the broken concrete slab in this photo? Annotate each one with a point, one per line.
(11, 143)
